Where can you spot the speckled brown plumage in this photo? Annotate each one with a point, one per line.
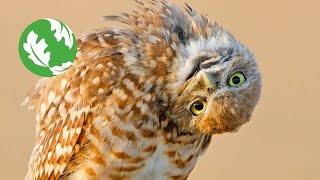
(122, 111)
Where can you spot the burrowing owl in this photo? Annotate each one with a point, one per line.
(142, 101)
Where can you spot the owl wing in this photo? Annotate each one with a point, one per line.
(60, 130)
(67, 104)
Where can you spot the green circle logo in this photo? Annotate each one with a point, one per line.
(47, 47)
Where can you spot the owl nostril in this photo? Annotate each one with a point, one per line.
(211, 89)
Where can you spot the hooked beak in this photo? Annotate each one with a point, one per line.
(209, 81)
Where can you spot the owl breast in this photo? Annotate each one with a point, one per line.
(159, 154)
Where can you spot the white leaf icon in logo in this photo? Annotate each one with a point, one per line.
(62, 31)
(56, 70)
(36, 50)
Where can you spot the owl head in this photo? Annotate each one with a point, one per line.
(212, 82)
(217, 80)
(219, 94)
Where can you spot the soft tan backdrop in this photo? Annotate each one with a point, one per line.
(282, 142)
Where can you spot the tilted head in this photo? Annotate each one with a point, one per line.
(213, 83)
(220, 94)
(218, 82)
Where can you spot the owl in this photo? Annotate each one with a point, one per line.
(142, 100)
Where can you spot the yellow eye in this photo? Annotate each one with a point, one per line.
(198, 107)
(237, 79)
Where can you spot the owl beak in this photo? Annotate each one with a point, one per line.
(209, 81)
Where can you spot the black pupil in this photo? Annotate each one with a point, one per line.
(236, 80)
(198, 106)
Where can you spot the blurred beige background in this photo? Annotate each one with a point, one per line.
(282, 142)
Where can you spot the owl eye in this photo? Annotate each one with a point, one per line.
(237, 79)
(198, 107)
